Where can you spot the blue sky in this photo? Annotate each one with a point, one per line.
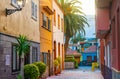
(89, 9)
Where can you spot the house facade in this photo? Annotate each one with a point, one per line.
(107, 29)
(58, 33)
(24, 22)
(46, 33)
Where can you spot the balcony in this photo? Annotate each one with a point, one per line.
(102, 3)
(102, 18)
(102, 22)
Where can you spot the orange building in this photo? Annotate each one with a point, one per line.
(46, 33)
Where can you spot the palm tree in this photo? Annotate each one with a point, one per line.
(77, 38)
(74, 19)
(22, 49)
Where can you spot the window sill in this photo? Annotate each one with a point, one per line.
(15, 72)
(46, 28)
(34, 18)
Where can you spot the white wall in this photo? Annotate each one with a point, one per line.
(58, 35)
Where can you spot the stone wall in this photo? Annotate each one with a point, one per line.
(6, 51)
(69, 65)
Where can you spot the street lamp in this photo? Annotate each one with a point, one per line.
(20, 3)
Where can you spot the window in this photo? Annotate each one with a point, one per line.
(58, 49)
(114, 34)
(62, 24)
(54, 17)
(15, 59)
(45, 58)
(34, 11)
(48, 24)
(34, 54)
(89, 59)
(58, 21)
(14, 3)
(44, 19)
(95, 58)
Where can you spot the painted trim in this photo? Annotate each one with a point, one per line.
(115, 70)
(17, 37)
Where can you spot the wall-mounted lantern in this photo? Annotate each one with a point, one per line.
(20, 3)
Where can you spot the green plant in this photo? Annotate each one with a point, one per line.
(71, 59)
(23, 47)
(76, 63)
(41, 66)
(31, 71)
(56, 63)
(19, 76)
(59, 59)
(74, 19)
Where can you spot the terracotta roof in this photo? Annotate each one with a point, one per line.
(91, 49)
(72, 52)
(73, 45)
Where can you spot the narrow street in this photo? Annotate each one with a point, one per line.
(80, 73)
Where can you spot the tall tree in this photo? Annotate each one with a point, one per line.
(74, 19)
(77, 38)
(22, 48)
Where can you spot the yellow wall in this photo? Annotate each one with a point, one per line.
(19, 22)
(46, 36)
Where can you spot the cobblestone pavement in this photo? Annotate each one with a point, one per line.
(81, 73)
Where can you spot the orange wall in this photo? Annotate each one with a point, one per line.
(20, 22)
(46, 36)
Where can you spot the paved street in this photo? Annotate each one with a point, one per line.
(81, 73)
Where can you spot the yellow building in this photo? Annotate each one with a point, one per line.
(24, 21)
(46, 33)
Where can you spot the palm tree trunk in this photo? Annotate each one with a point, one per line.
(22, 65)
(66, 44)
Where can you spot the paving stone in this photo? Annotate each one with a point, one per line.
(81, 73)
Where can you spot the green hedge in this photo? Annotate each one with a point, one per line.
(76, 63)
(31, 71)
(41, 66)
(71, 59)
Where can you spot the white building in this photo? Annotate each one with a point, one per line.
(58, 33)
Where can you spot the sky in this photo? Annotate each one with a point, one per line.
(88, 7)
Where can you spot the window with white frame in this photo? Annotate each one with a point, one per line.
(14, 3)
(34, 54)
(15, 59)
(34, 10)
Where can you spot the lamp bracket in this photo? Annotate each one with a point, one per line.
(11, 11)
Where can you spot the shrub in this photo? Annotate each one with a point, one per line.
(58, 59)
(19, 76)
(71, 59)
(56, 63)
(41, 66)
(76, 63)
(31, 71)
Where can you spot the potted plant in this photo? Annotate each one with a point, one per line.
(59, 67)
(56, 65)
